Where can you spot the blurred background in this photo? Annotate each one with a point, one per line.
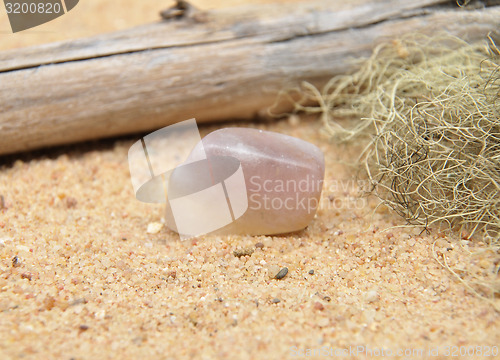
(92, 17)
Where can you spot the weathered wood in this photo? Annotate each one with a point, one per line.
(219, 65)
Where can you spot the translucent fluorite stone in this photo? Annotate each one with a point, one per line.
(281, 179)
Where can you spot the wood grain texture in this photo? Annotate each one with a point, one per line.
(224, 64)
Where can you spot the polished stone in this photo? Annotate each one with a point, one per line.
(281, 175)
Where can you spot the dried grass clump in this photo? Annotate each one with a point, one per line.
(429, 110)
(432, 108)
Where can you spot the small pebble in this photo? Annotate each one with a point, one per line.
(275, 300)
(311, 272)
(16, 262)
(259, 245)
(71, 202)
(282, 273)
(83, 327)
(78, 302)
(26, 275)
(243, 252)
(272, 270)
(49, 303)
(371, 296)
(154, 228)
(294, 120)
(319, 306)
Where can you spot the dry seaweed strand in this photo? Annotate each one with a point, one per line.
(435, 117)
(492, 286)
(431, 106)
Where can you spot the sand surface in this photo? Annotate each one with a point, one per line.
(81, 277)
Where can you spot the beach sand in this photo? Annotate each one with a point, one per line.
(81, 277)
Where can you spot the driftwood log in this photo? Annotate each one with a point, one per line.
(224, 64)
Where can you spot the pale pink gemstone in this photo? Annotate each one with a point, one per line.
(283, 177)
